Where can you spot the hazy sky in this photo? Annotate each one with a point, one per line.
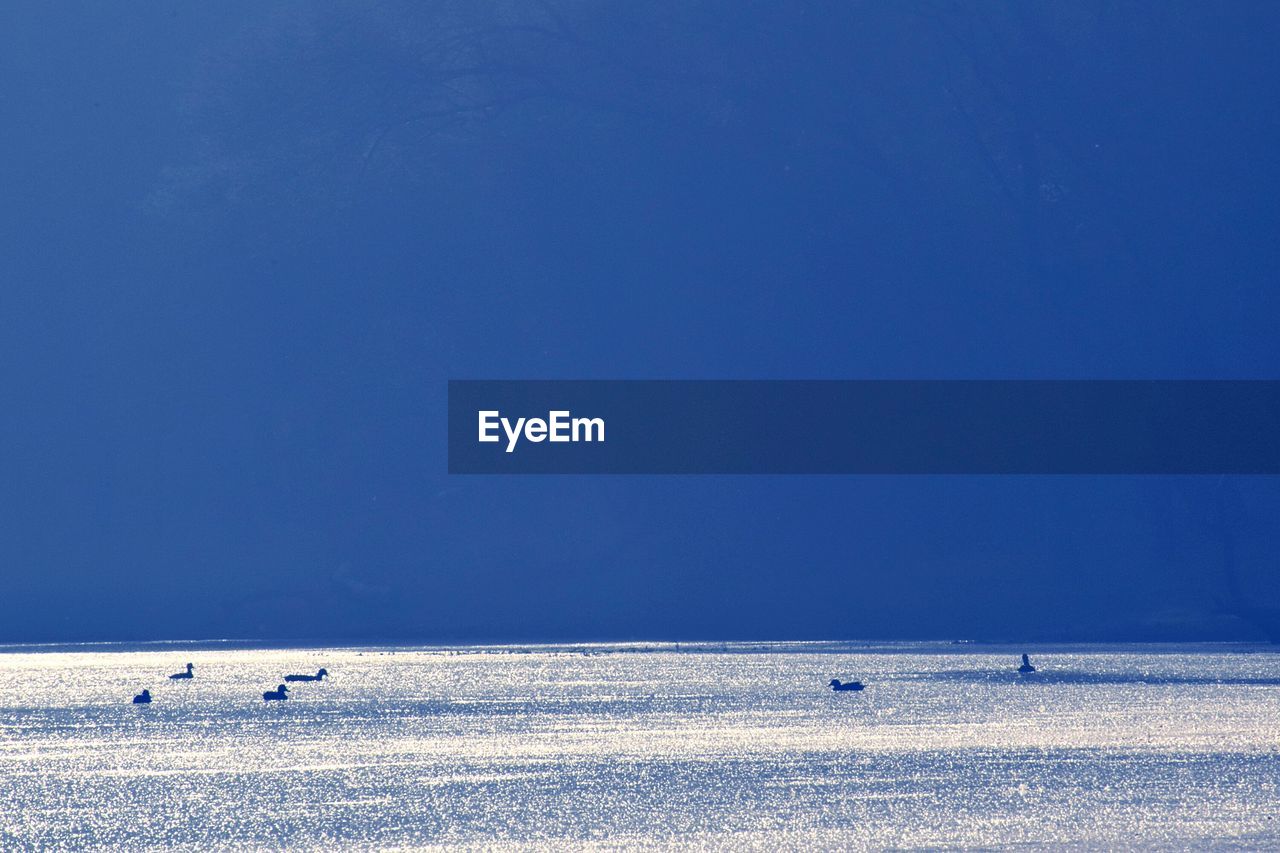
(245, 245)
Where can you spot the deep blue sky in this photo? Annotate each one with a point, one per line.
(244, 246)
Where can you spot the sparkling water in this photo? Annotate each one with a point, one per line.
(735, 746)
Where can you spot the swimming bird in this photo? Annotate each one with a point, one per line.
(1026, 666)
(840, 686)
(187, 674)
(319, 676)
(278, 695)
(143, 698)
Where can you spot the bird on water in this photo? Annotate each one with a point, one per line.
(278, 695)
(319, 676)
(840, 686)
(190, 673)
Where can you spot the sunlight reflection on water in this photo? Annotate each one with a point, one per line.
(709, 746)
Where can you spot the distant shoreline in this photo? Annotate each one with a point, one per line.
(834, 647)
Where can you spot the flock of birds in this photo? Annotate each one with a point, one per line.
(279, 694)
(841, 686)
(282, 691)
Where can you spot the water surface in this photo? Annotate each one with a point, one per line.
(704, 746)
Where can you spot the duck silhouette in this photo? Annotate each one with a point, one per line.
(143, 698)
(1026, 666)
(188, 674)
(840, 686)
(319, 676)
(278, 695)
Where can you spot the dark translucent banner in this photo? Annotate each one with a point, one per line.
(864, 427)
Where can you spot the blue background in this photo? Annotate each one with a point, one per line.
(245, 245)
